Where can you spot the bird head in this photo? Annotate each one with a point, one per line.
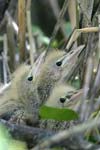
(64, 96)
(58, 96)
(58, 63)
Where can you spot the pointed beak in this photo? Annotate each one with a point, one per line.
(71, 57)
(35, 70)
(69, 61)
(75, 100)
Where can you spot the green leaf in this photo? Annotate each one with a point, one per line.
(59, 114)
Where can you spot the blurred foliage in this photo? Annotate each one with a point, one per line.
(40, 35)
(59, 114)
(7, 143)
(42, 38)
(76, 83)
(68, 28)
(94, 134)
(56, 148)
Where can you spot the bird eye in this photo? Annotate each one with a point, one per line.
(30, 78)
(59, 63)
(62, 100)
(71, 52)
(68, 96)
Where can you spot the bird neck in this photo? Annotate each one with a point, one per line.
(44, 87)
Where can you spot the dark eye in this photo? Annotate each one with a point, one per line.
(59, 63)
(68, 96)
(30, 78)
(62, 100)
(71, 52)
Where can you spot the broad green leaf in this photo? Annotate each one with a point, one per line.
(59, 114)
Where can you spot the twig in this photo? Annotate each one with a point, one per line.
(3, 23)
(88, 76)
(66, 134)
(59, 21)
(22, 28)
(97, 104)
(13, 23)
(99, 36)
(34, 135)
(28, 4)
(72, 11)
(14, 26)
(56, 10)
(31, 39)
(5, 50)
(95, 89)
(25, 132)
(11, 43)
(84, 104)
(72, 39)
(6, 86)
(89, 30)
(11, 8)
(76, 33)
(83, 10)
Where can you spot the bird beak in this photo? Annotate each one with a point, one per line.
(75, 100)
(69, 61)
(35, 70)
(70, 57)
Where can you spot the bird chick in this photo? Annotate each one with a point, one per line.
(57, 65)
(65, 96)
(20, 102)
(62, 96)
(23, 98)
(16, 103)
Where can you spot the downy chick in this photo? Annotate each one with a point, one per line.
(24, 98)
(58, 96)
(20, 102)
(62, 96)
(55, 68)
(17, 100)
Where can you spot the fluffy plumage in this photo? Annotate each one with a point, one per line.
(18, 99)
(24, 97)
(62, 96)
